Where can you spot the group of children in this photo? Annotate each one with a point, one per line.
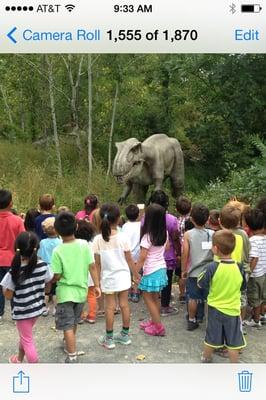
(96, 260)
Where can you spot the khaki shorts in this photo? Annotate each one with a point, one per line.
(256, 291)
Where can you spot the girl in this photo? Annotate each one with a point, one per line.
(86, 231)
(25, 284)
(90, 206)
(152, 247)
(114, 262)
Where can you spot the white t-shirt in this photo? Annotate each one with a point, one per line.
(115, 273)
(258, 250)
(155, 258)
(132, 232)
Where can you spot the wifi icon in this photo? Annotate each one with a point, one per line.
(70, 7)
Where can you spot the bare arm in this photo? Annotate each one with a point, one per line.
(253, 263)
(56, 278)
(95, 278)
(185, 255)
(142, 258)
(132, 265)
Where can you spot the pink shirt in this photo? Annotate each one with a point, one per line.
(155, 258)
(10, 227)
(83, 214)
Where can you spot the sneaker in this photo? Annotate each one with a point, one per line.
(167, 311)
(145, 324)
(155, 330)
(122, 339)
(253, 324)
(45, 312)
(71, 360)
(81, 321)
(263, 319)
(192, 325)
(90, 320)
(244, 331)
(14, 359)
(205, 360)
(106, 342)
(135, 297)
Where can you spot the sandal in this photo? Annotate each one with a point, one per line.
(101, 314)
(14, 359)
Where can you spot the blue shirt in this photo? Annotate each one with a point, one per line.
(46, 248)
(38, 225)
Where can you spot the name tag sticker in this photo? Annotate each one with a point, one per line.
(206, 245)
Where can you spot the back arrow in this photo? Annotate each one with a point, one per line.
(9, 35)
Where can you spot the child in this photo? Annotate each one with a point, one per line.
(90, 206)
(131, 229)
(152, 247)
(71, 261)
(224, 280)
(161, 198)
(29, 220)
(213, 221)
(46, 203)
(183, 208)
(25, 284)
(45, 253)
(196, 255)
(114, 262)
(85, 230)
(256, 290)
(230, 217)
(10, 227)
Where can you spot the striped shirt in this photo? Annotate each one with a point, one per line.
(258, 250)
(28, 299)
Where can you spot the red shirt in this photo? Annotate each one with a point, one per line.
(10, 227)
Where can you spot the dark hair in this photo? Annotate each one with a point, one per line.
(230, 217)
(183, 205)
(85, 230)
(214, 217)
(65, 223)
(262, 206)
(90, 203)
(199, 214)
(30, 219)
(254, 219)
(5, 198)
(109, 214)
(155, 224)
(46, 202)
(225, 241)
(26, 245)
(159, 197)
(132, 212)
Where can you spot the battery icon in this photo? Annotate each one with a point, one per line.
(251, 8)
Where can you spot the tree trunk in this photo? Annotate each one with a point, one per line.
(90, 115)
(112, 130)
(52, 105)
(8, 110)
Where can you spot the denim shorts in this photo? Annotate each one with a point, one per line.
(194, 292)
(68, 315)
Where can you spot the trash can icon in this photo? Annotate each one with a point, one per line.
(245, 381)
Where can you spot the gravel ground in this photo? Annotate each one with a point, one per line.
(178, 346)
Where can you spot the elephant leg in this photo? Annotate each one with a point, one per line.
(140, 193)
(177, 186)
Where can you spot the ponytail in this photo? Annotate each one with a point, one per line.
(106, 228)
(26, 245)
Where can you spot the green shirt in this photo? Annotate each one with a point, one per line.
(224, 279)
(72, 260)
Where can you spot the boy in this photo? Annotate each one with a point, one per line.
(132, 230)
(195, 256)
(256, 289)
(230, 217)
(10, 227)
(45, 253)
(71, 262)
(224, 280)
(46, 203)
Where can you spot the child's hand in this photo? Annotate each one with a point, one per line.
(184, 275)
(98, 292)
(136, 279)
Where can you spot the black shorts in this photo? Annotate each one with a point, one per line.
(224, 330)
